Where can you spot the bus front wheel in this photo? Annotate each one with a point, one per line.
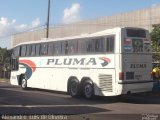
(24, 83)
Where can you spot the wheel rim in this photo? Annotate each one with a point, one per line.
(24, 83)
(74, 89)
(88, 90)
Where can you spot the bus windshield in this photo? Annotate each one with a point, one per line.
(136, 41)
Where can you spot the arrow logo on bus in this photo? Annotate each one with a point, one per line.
(106, 61)
(30, 67)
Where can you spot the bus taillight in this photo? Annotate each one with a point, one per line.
(121, 75)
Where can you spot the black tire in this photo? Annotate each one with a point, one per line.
(23, 83)
(88, 90)
(74, 88)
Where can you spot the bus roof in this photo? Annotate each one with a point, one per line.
(86, 35)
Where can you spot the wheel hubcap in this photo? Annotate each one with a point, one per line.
(23, 83)
(74, 89)
(88, 91)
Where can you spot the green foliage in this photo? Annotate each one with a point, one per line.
(155, 34)
(4, 57)
(155, 37)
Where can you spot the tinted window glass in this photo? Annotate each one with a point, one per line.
(33, 50)
(110, 44)
(90, 46)
(57, 48)
(147, 47)
(44, 47)
(136, 33)
(23, 50)
(50, 49)
(37, 49)
(72, 47)
(99, 44)
(137, 45)
(81, 46)
(28, 52)
(65, 47)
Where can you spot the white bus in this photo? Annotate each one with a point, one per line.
(106, 63)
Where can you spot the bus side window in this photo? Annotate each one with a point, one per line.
(44, 48)
(33, 50)
(65, 47)
(23, 51)
(72, 47)
(37, 49)
(50, 49)
(99, 44)
(90, 46)
(81, 46)
(28, 51)
(57, 48)
(110, 40)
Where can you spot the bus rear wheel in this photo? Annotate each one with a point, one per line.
(74, 88)
(24, 83)
(88, 90)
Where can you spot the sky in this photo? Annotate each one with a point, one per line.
(20, 15)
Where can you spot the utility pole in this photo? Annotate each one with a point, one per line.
(48, 17)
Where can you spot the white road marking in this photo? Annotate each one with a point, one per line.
(38, 106)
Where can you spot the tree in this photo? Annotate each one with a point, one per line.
(5, 58)
(4, 55)
(155, 37)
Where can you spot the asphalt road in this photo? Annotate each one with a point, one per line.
(40, 104)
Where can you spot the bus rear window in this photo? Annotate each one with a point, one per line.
(136, 45)
(136, 33)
